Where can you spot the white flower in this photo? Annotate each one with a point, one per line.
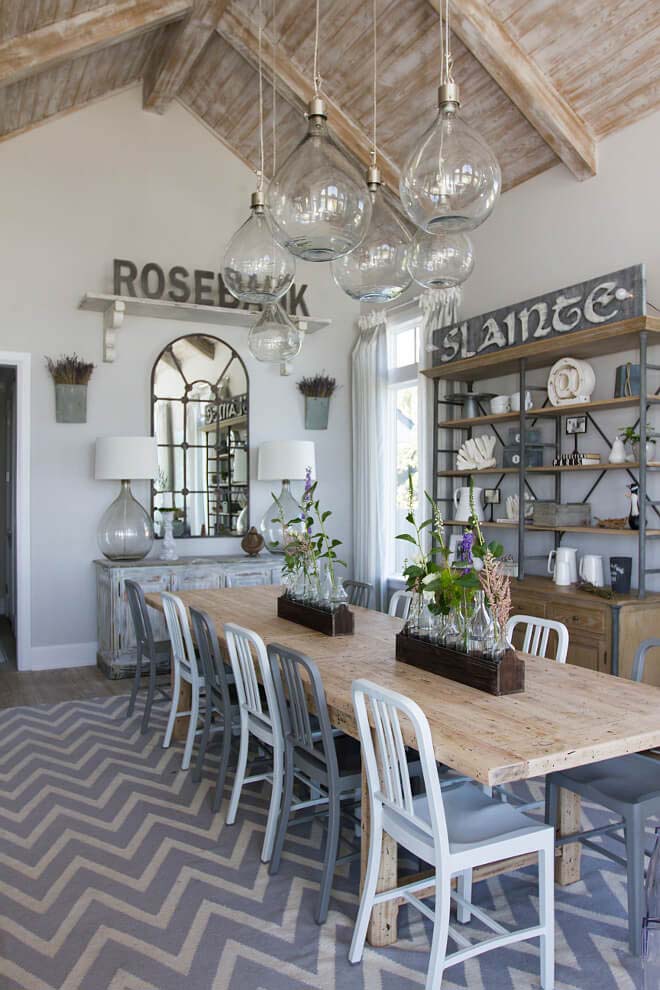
(428, 578)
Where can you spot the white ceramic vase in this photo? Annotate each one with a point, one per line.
(168, 549)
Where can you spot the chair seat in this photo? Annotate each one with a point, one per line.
(473, 820)
(630, 779)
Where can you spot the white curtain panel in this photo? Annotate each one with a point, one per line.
(370, 455)
(439, 308)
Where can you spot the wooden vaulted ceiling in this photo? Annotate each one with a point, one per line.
(542, 80)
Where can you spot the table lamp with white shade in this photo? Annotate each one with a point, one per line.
(125, 530)
(285, 461)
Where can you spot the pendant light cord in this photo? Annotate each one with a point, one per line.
(374, 148)
(317, 77)
(273, 49)
(446, 61)
(260, 171)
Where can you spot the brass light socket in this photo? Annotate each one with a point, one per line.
(316, 107)
(373, 177)
(449, 94)
(257, 201)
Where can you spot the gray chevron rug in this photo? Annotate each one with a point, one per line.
(115, 875)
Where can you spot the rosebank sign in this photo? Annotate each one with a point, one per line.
(607, 299)
(182, 285)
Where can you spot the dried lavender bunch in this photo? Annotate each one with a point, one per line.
(319, 386)
(69, 370)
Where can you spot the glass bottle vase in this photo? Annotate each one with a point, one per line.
(482, 630)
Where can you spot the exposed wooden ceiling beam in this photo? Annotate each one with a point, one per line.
(518, 75)
(84, 33)
(298, 89)
(180, 49)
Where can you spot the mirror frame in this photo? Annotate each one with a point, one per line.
(153, 398)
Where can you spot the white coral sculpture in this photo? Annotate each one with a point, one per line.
(476, 453)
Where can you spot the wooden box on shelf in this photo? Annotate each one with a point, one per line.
(505, 676)
(337, 623)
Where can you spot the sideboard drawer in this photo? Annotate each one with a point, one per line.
(195, 578)
(578, 618)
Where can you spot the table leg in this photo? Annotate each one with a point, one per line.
(383, 924)
(184, 702)
(567, 866)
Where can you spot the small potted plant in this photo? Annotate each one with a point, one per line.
(317, 390)
(631, 436)
(71, 376)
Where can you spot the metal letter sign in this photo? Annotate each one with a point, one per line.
(598, 301)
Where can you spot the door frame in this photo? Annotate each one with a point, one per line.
(22, 362)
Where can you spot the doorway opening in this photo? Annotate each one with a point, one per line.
(8, 561)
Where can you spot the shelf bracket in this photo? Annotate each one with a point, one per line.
(113, 318)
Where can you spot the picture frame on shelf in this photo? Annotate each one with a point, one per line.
(576, 425)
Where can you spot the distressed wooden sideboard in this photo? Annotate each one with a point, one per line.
(116, 641)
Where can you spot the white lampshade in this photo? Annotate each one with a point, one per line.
(126, 458)
(286, 459)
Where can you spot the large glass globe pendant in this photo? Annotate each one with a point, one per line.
(274, 338)
(318, 199)
(439, 261)
(256, 268)
(452, 179)
(376, 271)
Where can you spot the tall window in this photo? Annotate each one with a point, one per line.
(404, 413)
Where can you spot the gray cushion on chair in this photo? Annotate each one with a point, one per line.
(632, 779)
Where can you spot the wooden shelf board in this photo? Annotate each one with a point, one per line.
(599, 405)
(223, 424)
(591, 342)
(163, 309)
(604, 466)
(530, 527)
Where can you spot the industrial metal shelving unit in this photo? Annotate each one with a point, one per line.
(639, 333)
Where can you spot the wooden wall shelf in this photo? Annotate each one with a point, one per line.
(115, 308)
(604, 466)
(599, 405)
(531, 528)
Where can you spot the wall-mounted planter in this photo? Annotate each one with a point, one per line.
(317, 411)
(70, 403)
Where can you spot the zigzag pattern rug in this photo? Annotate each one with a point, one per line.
(115, 875)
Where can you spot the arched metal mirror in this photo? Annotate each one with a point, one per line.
(200, 421)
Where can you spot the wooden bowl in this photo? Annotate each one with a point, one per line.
(613, 523)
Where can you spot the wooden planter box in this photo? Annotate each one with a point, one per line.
(337, 623)
(505, 676)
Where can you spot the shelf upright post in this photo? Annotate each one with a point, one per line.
(435, 487)
(641, 546)
(521, 473)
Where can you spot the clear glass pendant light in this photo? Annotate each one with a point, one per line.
(274, 338)
(452, 179)
(256, 269)
(318, 199)
(439, 261)
(376, 271)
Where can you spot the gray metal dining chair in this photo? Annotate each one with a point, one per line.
(328, 764)
(147, 649)
(359, 592)
(400, 603)
(628, 786)
(221, 700)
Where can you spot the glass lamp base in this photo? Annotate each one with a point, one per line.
(125, 530)
(271, 527)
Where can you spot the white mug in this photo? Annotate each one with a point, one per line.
(591, 569)
(562, 574)
(515, 401)
(500, 404)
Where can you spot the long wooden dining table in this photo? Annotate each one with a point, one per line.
(567, 716)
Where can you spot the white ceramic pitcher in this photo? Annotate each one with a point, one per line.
(462, 504)
(567, 556)
(592, 570)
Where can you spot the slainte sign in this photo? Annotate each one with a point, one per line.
(606, 299)
(179, 285)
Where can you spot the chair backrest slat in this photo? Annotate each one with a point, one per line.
(178, 628)
(140, 615)
(379, 712)
(291, 671)
(359, 593)
(249, 663)
(210, 655)
(400, 603)
(536, 636)
(639, 662)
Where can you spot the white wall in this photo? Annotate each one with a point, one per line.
(113, 181)
(554, 231)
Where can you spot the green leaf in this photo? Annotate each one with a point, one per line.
(407, 537)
